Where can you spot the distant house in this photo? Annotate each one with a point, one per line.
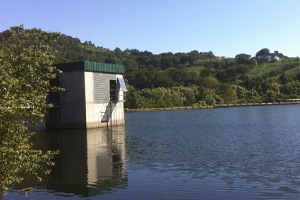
(94, 96)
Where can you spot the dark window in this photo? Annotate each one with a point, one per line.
(113, 90)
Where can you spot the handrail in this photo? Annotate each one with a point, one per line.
(104, 110)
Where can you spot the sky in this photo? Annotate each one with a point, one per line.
(225, 27)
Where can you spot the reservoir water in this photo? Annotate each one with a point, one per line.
(223, 153)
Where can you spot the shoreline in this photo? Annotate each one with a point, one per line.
(208, 107)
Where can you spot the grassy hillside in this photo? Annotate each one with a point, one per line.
(194, 78)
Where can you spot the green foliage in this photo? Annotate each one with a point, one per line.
(26, 60)
(161, 97)
(153, 77)
(264, 55)
(243, 58)
(18, 158)
(26, 68)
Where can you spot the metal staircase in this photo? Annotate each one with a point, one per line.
(107, 109)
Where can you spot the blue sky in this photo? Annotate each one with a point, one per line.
(225, 27)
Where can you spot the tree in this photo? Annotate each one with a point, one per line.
(243, 58)
(271, 90)
(278, 56)
(208, 90)
(113, 60)
(131, 65)
(207, 72)
(228, 93)
(264, 55)
(26, 70)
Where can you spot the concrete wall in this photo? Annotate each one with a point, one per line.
(71, 113)
(85, 102)
(97, 101)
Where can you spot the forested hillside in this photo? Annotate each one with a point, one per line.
(194, 78)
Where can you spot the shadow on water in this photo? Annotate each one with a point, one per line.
(91, 162)
(226, 153)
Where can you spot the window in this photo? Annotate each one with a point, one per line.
(113, 90)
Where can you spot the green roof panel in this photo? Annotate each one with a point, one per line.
(92, 67)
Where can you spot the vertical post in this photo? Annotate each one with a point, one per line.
(107, 124)
(110, 113)
(108, 116)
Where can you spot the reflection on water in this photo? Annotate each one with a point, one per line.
(226, 153)
(90, 162)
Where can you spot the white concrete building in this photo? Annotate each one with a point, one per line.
(94, 96)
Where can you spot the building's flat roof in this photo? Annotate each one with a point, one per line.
(91, 67)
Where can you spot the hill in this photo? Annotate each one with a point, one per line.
(193, 78)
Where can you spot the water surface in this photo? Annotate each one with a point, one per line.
(224, 153)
